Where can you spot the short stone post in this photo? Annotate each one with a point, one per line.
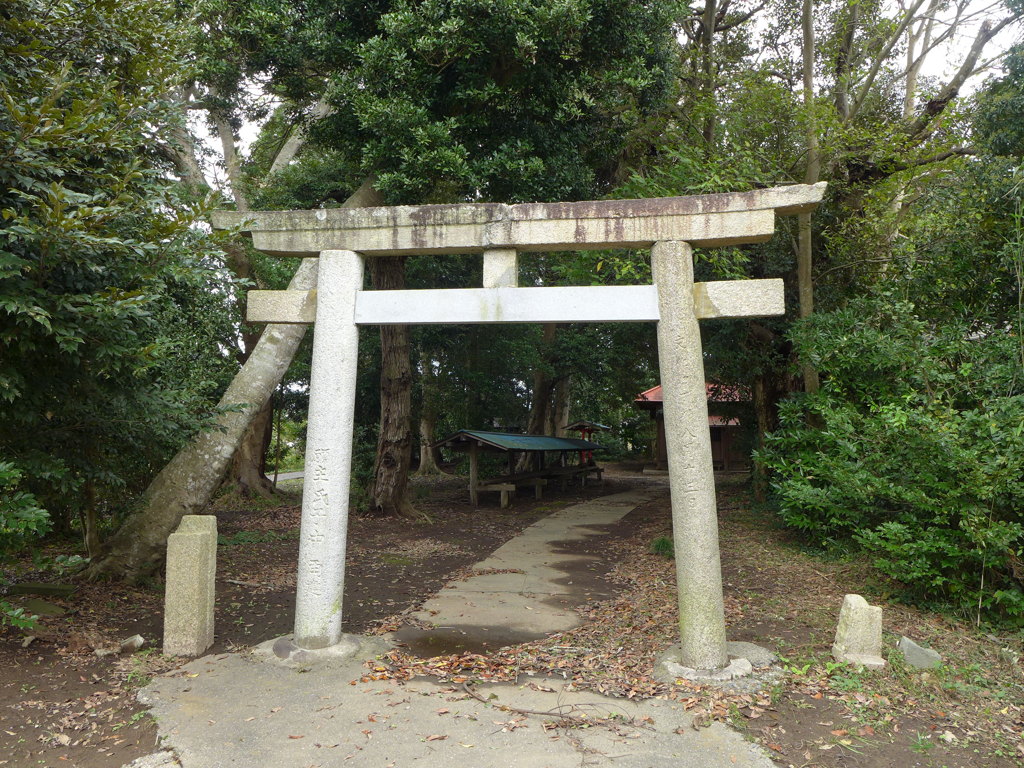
(332, 399)
(189, 590)
(501, 268)
(691, 475)
(859, 633)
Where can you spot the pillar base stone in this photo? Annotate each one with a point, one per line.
(750, 668)
(283, 652)
(866, 660)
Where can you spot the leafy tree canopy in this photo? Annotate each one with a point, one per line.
(109, 308)
(478, 99)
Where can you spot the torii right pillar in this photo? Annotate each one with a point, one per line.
(690, 470)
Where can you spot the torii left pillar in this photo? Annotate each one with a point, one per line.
(332, 395)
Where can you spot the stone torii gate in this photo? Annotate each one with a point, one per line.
(344, 237)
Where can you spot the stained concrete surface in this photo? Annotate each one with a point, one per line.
(229, 711)
(241, 710)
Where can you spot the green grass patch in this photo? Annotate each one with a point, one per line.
(663, 546)
(256, 537)
(396, 560)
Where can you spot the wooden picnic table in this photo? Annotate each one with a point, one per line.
(475, 441)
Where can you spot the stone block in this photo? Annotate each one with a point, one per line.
(189, 592)
(859, 634)
(162, 759)
(40, 607)
(283, 652)
(758, 656)
(132, 644)
(918, 657)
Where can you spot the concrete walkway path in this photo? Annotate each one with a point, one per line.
(230, 711)
(238, 710)
(526, 589)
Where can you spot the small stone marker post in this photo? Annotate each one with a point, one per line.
(859, 634)
(189, 589)
(916, 656)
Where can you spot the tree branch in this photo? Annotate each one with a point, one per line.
(737, 20)
(936, 158)
(181, 151)
(921, 128)
(232, 164)
(883, 56)
(297, 137)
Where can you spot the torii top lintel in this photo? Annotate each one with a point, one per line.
(701, 220)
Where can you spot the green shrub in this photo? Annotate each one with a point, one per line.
(913, 450)
(21, 520)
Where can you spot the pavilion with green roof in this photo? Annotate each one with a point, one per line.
(474, 442)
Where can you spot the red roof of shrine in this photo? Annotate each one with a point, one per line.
(652, 399)
(717, 393)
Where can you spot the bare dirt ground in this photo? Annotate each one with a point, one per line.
(60, 704)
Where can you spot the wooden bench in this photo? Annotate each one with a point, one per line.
(565, 474)
(508, 484)
(506, 490)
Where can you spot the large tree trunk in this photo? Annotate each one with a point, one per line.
(394, 442)
(560, 406)
(429, 455)
(539, 421)
(429, 464)
(248, 472)
(186, 484)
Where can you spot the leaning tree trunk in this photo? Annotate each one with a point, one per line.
(394, 441)
(248, 471)
(186, 485)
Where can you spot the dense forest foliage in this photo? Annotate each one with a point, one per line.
(887, 411)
